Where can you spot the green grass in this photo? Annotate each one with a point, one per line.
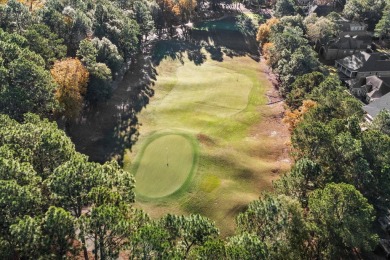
(206, 90)
(220, 106)
(210, 183)
(165, 165)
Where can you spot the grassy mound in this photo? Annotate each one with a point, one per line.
(165, 165)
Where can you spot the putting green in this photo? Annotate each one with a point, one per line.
(165, 164)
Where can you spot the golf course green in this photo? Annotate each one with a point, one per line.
(208, 142)
(165, 164)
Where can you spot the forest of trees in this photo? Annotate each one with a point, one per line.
(62, 55)
(328, 144)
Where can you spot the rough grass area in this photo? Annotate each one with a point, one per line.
(165, 165)
(242, 142)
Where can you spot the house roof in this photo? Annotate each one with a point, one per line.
(355, 82)
(346, 26)
(377, 105)
(380, 86)
(363, 62)
(354, 42)
(356, 61)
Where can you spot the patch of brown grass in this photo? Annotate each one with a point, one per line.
(205, 139)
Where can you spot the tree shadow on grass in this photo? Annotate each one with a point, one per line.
(215, 39)
(105, 130)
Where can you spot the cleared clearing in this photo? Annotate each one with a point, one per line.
(242, 142)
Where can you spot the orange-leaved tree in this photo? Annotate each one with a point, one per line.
(72, 79)
(293, 118)
(169, 10)
(187, 7)
(266, 51)
(32, 4)
(264, 30)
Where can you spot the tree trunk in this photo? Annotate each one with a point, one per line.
(85, 250)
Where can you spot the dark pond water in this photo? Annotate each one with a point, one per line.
(227, 24)
(106, 129)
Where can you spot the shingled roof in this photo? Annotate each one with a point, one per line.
(346, 26)
(379, 104)
(356, 42)
(380, 86)
(363, 62)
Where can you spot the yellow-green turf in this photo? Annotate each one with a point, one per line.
(165, 164)
(220, 106)
(207, 90)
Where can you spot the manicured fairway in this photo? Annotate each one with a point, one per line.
(209, 90)
(165, 164)
(239, 141)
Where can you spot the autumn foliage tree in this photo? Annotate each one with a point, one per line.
(72, 78)
(169, 12)
(292, 118)
(186, 8)
(267, 52)
(264, 30)
(32, 4)
(320, 28)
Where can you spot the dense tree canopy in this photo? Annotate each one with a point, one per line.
(277, 221)
(55, 203)
(285, 7)
(302, 87)
(45, 43)
(364, 10)
(66, 180)
(15, 16)
(382, 28)
(54, 31)
(342, 219)
(25, 84)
